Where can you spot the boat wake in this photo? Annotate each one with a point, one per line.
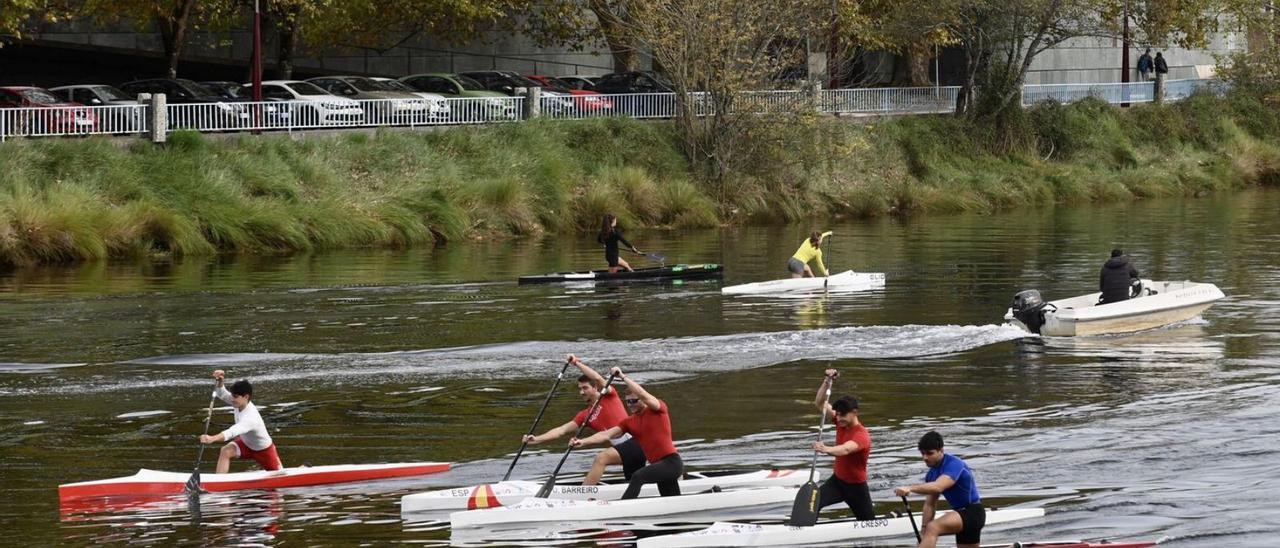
(651, 359)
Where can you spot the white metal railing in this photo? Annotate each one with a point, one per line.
(330, 112)
(889, 100)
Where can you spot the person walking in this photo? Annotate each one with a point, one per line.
(1145, 64)
(1161, 66)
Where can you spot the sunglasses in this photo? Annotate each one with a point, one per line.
(632, 400)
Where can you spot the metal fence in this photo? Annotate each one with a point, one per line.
(335, 112)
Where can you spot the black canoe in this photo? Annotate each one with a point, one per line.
(657, 273)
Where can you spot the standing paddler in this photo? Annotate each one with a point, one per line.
(810, 250)
(251, 440)
(950, 477)
(608, 414)
(852, 449)
(650, 425)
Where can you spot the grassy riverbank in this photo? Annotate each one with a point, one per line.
(83, 199)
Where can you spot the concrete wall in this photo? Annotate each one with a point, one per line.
(1090, 60)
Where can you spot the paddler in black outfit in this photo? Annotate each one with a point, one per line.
(610, 235)
(1117, 277)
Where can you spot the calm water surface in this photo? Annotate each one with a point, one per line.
(373, 356)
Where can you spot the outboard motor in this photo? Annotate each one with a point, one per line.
(1029, 308)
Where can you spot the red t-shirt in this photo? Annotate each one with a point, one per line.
(652, 430)
(606, 415)
(852, 468)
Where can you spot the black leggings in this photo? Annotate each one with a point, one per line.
(666, 473)
(856, 495)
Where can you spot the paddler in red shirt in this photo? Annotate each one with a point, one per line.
(608, 414)
(650, 425)
(852, 449)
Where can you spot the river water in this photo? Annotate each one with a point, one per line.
(436, 354)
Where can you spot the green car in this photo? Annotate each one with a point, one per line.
(469, 100)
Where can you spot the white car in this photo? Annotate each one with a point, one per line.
(313, 105)
(439, 105)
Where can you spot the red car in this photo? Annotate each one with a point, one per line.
(43, 113)
(584, 100)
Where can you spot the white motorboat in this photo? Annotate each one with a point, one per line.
(537, 510)
(844, 281)
(841, 531)
(506, 493)
(1156, 304)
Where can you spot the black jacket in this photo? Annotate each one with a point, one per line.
(1115, 278)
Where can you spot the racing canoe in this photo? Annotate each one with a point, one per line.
(844, 281)
(842, 531)
(507, 493)
(154, 482)
(535, 509)
(652, 274)
(1073, 544)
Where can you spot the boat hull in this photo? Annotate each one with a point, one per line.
(507, 493)
(1171, 302)
(747, 534)
(533, 510)
(154, 482)
(651, 274)
(844, 281)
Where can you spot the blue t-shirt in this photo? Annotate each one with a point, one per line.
(965, 490)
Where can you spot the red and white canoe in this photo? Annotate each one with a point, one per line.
(154, 482)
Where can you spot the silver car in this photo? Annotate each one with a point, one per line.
(381, 106)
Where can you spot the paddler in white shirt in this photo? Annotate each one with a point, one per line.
(248, 437)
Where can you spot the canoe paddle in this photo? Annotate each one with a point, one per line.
(652, 256)
(912, 518)
(804, 512)
(193, 483)
(533, 428)
(545, 491)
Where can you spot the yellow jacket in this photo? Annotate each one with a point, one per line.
(808, 253)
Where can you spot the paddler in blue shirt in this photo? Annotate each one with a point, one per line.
(810, 251)
(950, 477)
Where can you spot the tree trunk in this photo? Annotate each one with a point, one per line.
(911, 68)
(173, 32)
(288, 37)
(621, 47)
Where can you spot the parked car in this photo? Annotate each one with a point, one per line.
(273, 115)
(633, 82)
(43, 113)
(380, 104)
(481, 105)
(632, 93)
(192, 105)
(128, 117)
(511, 83)
(586, 101)
(578, 82)
(438, 103)
(312, 105)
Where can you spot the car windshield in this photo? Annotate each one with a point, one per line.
(469, 84)
(364, 84)
(556, 84)
(522, 81)
(194, 89)
(40, 96)
(111, 93)
(223, 88)
(395, 85)
(306, 88)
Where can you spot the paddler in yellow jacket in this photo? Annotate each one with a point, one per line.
(810, 250)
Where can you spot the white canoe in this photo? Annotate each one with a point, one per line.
(844, 281)
(843, 531)
(535, 510)
(1159, 304)
(155, 482)
(507, 493)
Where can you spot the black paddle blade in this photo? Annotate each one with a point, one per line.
(545, 490)
(193, 484)
(804, 513)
